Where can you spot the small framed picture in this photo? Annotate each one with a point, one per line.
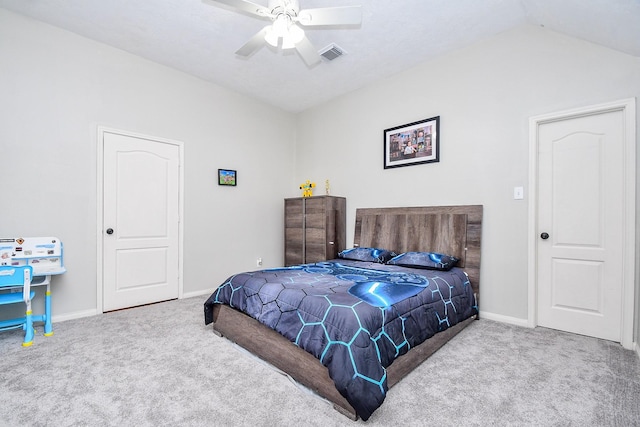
(227, 177)
(412, 144)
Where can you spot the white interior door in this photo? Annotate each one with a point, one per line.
(140, 221)
(581, 220)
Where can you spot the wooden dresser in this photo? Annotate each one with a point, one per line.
(314, 229)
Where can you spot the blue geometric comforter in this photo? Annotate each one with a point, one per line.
(355, 317)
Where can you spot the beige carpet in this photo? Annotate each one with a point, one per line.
(160, 366)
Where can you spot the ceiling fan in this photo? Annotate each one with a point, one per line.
(285, 30)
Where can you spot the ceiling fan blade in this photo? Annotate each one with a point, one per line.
(254, 43)
(342, 15)
(244, 6)
(308, 53)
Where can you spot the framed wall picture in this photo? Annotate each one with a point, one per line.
(412, 144)
(227, 177)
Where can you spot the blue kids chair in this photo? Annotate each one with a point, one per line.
(15, 277)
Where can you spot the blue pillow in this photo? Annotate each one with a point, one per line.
(367, 254)
(428, 260)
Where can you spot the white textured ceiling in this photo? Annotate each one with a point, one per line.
(200, 38)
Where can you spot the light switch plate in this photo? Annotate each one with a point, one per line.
(518, 193)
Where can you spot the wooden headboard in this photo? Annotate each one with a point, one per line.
(451, 230)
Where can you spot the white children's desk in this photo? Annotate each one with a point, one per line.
(45, 256)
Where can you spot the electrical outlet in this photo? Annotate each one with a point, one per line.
(259, 262)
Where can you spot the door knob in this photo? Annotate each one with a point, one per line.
(544, 236)
(109, 230)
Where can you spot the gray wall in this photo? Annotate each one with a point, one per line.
(57, 88)
(485, 95)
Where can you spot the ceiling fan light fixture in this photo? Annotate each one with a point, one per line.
(281, 25)
(283, 28)
(270, 36)
(295, 36)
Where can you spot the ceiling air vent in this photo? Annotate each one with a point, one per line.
(331, 52)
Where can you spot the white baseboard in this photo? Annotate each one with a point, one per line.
(524, 323)
(205, 292)
(93, 312)
(75, 315)
(504, 319)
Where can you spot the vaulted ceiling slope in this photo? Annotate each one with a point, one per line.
(200, 37)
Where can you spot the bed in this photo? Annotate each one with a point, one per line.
(325, 361)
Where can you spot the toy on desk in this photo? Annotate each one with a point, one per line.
(307, 188)
(44, 257)
(327, 187)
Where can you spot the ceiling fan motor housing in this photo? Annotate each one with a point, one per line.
(288, 7)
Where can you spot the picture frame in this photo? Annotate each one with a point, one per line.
(227, 177)
(412, 144)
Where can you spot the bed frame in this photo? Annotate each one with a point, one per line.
(453, 230)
